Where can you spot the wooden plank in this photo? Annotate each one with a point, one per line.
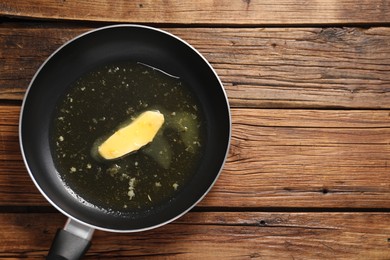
(278, 158)
(260, 67)
(212, 235)
(301, 158)
(255, 12)
(24, 50)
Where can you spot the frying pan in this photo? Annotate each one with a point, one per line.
(143, 44)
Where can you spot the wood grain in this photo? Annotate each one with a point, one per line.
(278, 158)
(260, 67)
(213, 235)
(225, 12)
(307, 176)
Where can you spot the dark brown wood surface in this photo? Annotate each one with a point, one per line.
(226, 12)
(260, 67)
(276, 160)
(211, 235)
(307, 176)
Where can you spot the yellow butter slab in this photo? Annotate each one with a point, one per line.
(132, 137)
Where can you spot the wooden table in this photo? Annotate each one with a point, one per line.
(307, 176)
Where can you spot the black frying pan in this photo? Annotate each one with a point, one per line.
(124, 42)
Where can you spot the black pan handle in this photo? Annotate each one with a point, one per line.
(71, 242)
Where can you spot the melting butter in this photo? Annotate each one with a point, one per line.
(133, 136)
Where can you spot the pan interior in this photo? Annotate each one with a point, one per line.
(122, 43)
(111, 97)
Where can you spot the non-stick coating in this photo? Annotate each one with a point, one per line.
(138, 43)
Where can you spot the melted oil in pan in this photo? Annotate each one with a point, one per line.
(98, 104)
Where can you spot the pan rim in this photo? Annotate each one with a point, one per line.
(24, 156)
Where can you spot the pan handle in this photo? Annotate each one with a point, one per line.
(71, 242)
